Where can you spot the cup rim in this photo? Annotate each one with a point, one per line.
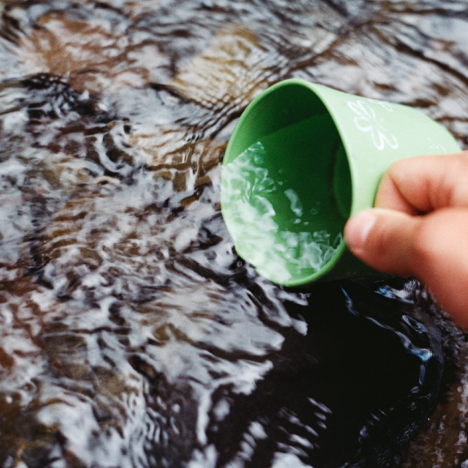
(341, 249)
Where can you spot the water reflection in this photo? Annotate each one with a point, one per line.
(131, 334)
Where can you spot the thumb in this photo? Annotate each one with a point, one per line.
(383, 239)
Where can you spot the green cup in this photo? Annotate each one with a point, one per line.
(302, 159)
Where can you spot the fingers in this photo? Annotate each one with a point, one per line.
(426, 183)
(383, 239)
(390, 196)
(433, 248)
(420, 228)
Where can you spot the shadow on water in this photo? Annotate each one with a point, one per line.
(131, 334)
(349, 392)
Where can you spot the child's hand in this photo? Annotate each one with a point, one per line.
(420, 228)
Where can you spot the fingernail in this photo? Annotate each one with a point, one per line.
(358, 228)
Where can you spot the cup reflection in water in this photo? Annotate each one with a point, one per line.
(302, 159)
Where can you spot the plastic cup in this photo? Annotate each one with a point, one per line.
(302, 159)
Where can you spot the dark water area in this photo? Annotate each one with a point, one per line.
(131, 334)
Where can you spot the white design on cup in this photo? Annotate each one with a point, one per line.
(436, 146)
(368, 121)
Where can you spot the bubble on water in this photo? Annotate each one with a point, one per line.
(296, 204)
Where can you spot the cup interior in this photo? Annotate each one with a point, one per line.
(286, 185)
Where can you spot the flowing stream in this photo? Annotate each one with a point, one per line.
(131, 334)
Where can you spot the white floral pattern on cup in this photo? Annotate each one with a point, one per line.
(436, 146)
(368, 121)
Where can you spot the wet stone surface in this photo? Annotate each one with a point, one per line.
(131, 334)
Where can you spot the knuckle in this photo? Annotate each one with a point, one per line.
(383, 241)
(426, 245)
(383, 253)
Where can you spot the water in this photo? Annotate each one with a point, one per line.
(131, 333)
(253, 197)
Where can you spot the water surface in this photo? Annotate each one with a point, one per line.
(131, 333)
